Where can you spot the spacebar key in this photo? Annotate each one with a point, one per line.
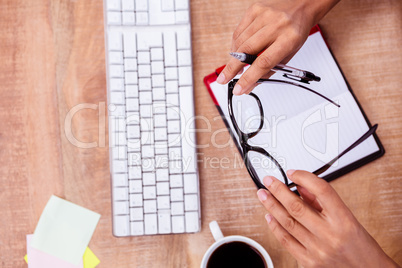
(189, 156)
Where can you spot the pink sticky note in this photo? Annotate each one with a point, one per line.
(39, 259)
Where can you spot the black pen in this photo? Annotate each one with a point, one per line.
(289, 72)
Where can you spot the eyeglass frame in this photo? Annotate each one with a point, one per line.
(244, 137)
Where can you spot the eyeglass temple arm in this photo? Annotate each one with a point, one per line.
(324, 168)
(360, 140)
(298, 85)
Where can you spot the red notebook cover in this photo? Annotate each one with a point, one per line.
(213, 76)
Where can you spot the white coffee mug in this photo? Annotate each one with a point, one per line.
(220, 240)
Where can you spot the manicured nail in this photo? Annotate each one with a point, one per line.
(290, 172)
(262, 195)
(268, 181)
(268, 217)
(221, 78)
(237, 90)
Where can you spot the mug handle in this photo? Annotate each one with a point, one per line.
(215, 230)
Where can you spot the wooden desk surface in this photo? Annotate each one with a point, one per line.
(52, 59)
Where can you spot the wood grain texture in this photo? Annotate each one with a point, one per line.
(52, 55)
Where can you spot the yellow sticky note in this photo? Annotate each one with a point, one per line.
(89, 258)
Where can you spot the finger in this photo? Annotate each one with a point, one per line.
(248, 92)
(231, 69)
(250, 31)
(295, 206)
(329, 200)
(263, 64)
(268, 75)
(286, 239)
(247, 19)
(284, 218)
(309, 198)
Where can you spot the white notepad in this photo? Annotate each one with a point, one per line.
(302, 130)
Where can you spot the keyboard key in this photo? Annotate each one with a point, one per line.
(117, 98)
(182, 17)
(149, 206)
(190, 183)
(131, 91)
(147, 138)
(181, 4)
(117, 139)
(162, 174)
(172, 87)
(160, 120)
(130, 45)
(183, 40)
(191, 202)
(120, 194)
(149, 39)
(171, 73)
(120, 208)
(157, 67)
(148, 179)
(150, 223)
(192, 222)
(148, 165)
(188, 144)
(163, 202)
(149, 192)
(121, 225)
(162, 188)
(185, 76)
(174, 153)
(144, 57)
(115, 41)
(144, 70)
(135, 200)
(117, 111)
(167, 5)
(178, 224)
(113, 18)
(128, 18)
(120, 180)
(135, 186)
(131, 78)
(116, 84)
(134, 159)
(157, 54)
(176, 180)
(119, 152)
(160, 134)
(132, 105)
(158, 80)
(137, 228)
(174, 139)
(145, 84)
(175, 167)
(128, 5)
(116, 71)
(136, 214)
(164, 222)
(141, 5)
(130, 64)
(176, 194)
(169, 41)
(115, 57)
(145, 97)
(173, 113)
(135, 172)
(173, 126)
(184, 57)
(177, 208)
(142, 18)
(113, 5)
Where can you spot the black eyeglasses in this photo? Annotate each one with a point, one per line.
(246, 134)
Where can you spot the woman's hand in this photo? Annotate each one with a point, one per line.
(280, 27)
(317, 228)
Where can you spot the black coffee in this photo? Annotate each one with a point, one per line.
(236, 254)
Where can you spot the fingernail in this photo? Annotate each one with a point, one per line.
(290, 172)
(262, 195)
(221, 78)
(237, 89)
(268, 217)
(268, 181)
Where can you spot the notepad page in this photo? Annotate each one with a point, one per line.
(302, 130)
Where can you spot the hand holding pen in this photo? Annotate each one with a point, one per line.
(278, 29)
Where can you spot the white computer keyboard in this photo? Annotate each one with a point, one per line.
(155, 187)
